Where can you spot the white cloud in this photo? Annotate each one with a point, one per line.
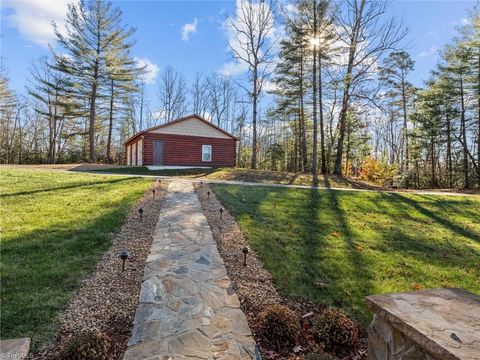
(291, 9)
(207, 116)
(151, 69)
(270, 86)
(433, 50)
(33, 18)
(233, 68)
(188, 29)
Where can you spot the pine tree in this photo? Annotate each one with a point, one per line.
(394, 72)
(94, 35)
(55, 102)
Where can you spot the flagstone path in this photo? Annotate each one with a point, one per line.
(187, 307)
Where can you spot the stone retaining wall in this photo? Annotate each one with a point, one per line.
(440, 324)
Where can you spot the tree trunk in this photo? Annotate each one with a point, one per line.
(478, 130)
(449, 151)
(92, 158)
(110, 124)
(463, 129)
(405, 124)
(302, 119)
(320, 109)
(254, 118)
(346, 91)
(315, 119)
(432, 150)
(347, 150)
(296, 144)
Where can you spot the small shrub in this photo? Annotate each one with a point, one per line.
(86, 345)
(335, 330)
(379, 172)
(319, 356)
(280, 326)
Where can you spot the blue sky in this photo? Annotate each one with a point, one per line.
(189, 34)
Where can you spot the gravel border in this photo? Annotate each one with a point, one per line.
(254, 284)
(107, 300)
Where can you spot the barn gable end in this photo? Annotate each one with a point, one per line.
(193, 127)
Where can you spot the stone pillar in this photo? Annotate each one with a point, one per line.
(386, 342)
(441, 324)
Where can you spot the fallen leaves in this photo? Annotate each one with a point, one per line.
(417, 287)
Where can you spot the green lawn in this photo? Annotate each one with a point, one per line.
(358, 243)
(249, 175)
(55, 227)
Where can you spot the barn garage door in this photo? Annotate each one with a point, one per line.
(157, 152)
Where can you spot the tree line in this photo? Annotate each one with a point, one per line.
(327, 90)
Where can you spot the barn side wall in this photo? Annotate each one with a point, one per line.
(186, 150)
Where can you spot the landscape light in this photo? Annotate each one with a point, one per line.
(153, 194)
(140, 211)
(221, 213)
(124, 256)
(208, 194)
(245, 251)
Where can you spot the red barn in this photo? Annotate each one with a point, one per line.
(188, 141)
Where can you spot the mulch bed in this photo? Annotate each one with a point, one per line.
(255, 288)
(107, 300)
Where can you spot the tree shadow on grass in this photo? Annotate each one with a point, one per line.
(360, 273)
(318, 277)
(66, 187)
(42, 269)
(450, 225)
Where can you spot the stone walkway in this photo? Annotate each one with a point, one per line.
(187, 307)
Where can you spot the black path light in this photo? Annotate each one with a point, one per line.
(245, 251)
(153, 194)
(201, 183)
(124, 257)
(140, 211)
(208, 194)
(221, 213)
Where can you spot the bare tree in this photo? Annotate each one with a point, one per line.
(172, 93)
(200, 99)
(366, 38)
(253, 25)
(8, 118)
(221, 94)
(141, 103)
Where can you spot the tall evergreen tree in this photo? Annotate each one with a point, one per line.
(94, 36)
(394, 72)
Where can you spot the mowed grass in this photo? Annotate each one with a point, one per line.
(358, 243)
(55, 227)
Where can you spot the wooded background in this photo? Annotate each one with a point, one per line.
(331, 95)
